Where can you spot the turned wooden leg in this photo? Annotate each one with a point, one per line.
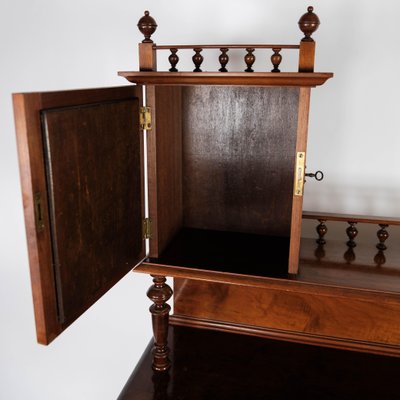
(159, 293)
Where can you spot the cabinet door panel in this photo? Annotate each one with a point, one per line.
(81, 171)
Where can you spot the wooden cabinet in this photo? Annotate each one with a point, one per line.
(221, 207)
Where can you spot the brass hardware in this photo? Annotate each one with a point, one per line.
(318, 175)
(147, 228)
(145, 118)
(39, 219)
(299, 174)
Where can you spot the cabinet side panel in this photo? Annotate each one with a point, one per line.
(297, 206)
(238, 158)
(165, 165)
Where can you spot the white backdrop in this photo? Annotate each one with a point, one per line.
(354, 137)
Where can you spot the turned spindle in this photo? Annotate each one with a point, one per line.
(382, 234)
(321, 229)
(349, 255)
(173, 60)
(380, 258)
(249, 59)
(197, 59)
(223, 59)
(308, 24)
(147, 25)
(352, 232)
(276, 59)
(320, 252)
(159, 293)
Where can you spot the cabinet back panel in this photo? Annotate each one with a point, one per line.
(93, 167)
(238, 158)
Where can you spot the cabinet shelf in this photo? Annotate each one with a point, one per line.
(298, 79)
(231, 252)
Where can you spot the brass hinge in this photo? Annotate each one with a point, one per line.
(299, 174)
(147, 228)
(145, 118)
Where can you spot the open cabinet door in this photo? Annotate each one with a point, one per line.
(81, 167)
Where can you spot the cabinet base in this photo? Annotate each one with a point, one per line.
(217, 365)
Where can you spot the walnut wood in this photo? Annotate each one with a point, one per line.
(197, 59)
(322, 230)
(147, 26)
(308, 24)
(309, 318)
(243, 155)
(297, 204)
(147, 57)
(382, 234)
(164, 163)
(352, 232)
(249, 59)
(367, 270)
(228, 46)
(241, 367)
(324, 275)
(307, 56)
(276, 59)
(223, 59)
(159, 293)
(27, 109)
(351, 218)
(229, 78)
(173, 59)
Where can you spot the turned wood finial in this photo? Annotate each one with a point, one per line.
(308, 24)
(147, 25)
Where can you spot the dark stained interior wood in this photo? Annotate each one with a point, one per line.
(93, 165)
(217, 365)
(202, 254)
(165, 165)
(231, 252)
(237, 168)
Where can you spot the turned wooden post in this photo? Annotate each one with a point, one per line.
(276, 59)
(147, 53)
(352, 232)
(197, 59)
(159, 293)
(308, 24)
(382, 234)
(223, 59)
(321, 229)
(173, 60)
(249, 59)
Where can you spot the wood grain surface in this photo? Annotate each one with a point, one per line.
(84, 245)
(238, 168)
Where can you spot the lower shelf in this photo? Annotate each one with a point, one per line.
(216, 365)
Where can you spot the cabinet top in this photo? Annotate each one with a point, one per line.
(297, 79)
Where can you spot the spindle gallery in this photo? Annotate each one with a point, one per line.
(226, 156)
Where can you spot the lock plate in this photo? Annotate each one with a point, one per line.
(299, 174)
